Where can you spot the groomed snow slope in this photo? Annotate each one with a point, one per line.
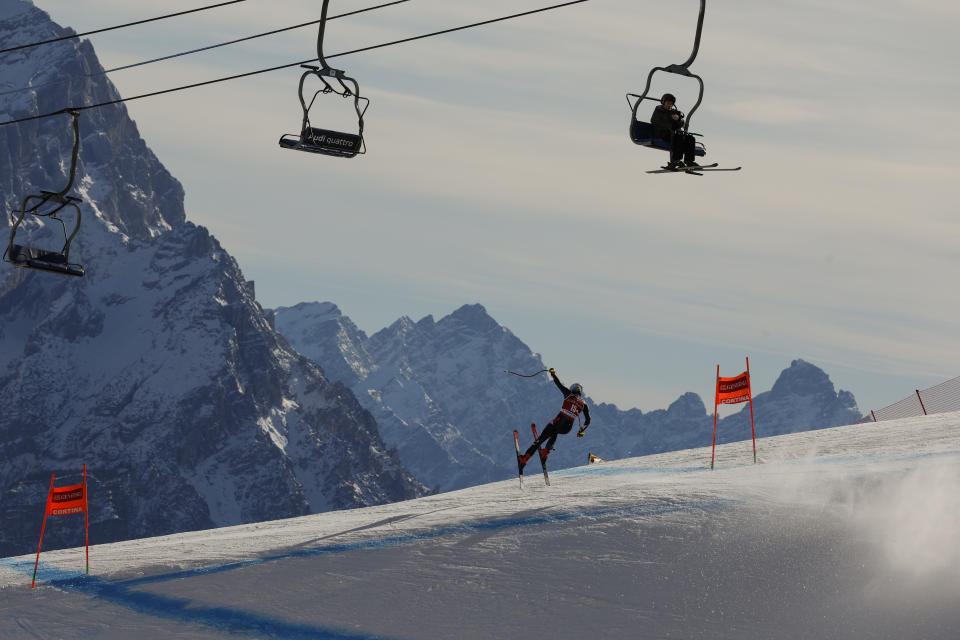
(849, 532)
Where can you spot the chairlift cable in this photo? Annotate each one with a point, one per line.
(119, 26)
(453, 29)
(296, 64)
(207, 48)
(253, 37)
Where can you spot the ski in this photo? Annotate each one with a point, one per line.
(695, 170)
(516, 441)
(683, 169)
(715, 168)
(543, 458)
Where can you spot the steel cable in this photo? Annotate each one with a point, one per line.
(295, 64)
(119, 26)
(202, 49)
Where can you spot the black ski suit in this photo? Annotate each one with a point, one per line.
(682, 145)
(560, 424)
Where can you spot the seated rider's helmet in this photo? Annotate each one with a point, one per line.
(576, 389)
(668, 96)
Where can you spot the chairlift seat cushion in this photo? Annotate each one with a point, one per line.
(325, 141)
(42, 260)
(642, 133)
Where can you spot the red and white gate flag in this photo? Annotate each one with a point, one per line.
(733, 390)
(62, 501)
(67, 500)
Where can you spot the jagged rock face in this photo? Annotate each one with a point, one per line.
(438, 390)
(158, 370)
(125, 183)
(440, 395)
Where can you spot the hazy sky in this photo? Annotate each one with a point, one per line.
(499, 171)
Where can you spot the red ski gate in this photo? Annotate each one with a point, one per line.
(62, 501)
(733, 391)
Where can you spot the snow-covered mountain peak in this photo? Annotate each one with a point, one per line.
(13, 9)
(687, 405)
(307, 316)
(803, 378)
(475, 318)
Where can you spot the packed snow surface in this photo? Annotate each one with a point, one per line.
(849, 532)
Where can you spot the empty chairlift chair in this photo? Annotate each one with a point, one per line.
(50, 205)
(333, 81)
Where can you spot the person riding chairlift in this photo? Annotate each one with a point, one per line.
(667, 125)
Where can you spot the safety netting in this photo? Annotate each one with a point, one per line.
(940, 398)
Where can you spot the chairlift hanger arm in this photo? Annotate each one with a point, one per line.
(679, 69)
(676, 68)
(75, 114)
(320, 33)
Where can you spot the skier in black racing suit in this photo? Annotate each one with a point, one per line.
(573, 405)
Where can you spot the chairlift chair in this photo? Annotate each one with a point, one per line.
(641, 132)
(326, 141)
(49, 204)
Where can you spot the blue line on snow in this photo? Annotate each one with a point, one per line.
(643, 510)
(232, 621)
(240, 622)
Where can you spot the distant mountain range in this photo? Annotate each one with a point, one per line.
(440, 395)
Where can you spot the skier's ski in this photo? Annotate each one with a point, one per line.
(516, 441)
(543, 458)
(683, 169)
(695, 170)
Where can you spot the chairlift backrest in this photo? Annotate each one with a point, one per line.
(678, 69)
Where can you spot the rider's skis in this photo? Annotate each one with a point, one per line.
(695, 170)
(543, 456)
(516, 441)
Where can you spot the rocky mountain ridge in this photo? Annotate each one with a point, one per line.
(440, 396)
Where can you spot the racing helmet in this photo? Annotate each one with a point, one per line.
(576, 389)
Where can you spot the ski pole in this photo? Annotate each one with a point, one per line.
(532, 375)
